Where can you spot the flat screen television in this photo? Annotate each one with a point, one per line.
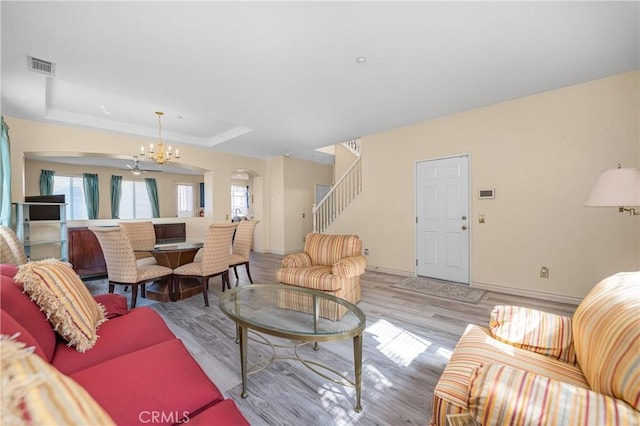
(44, 212)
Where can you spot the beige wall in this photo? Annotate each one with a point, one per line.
(275, 204)
(343, 160)
(300, 178)
(542, 154)
(291, 194)
(166, 184)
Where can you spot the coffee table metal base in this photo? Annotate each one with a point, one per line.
(314, 366)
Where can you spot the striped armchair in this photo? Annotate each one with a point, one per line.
(330, 263)
(531, 367)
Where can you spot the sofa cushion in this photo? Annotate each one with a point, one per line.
(223, 413)
(502, 395)
(327, 249)
(8, 270)
(606, 330)
(115, 305)
(26, 313)
(533, 330)
(162, 378)
(62, 295)
(36, 393)
(140, 328)
(10, 327)
(315, 277)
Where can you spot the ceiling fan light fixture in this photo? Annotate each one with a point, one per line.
(160, 155)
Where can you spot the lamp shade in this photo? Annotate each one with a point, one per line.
(616, 188)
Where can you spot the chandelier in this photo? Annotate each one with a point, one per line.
(160, 155)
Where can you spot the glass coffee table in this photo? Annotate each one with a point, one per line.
(295, 313)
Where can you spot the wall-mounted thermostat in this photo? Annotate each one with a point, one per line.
(486, 193)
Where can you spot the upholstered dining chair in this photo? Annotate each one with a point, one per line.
(142, 236)
(242, 246)
(215, 259)
(11, 249)
(121, 262)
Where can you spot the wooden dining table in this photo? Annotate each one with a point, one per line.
(173, 255)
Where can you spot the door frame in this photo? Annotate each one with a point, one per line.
(415, 208)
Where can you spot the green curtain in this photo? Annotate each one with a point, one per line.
(5, 176)
(152, 190)
(46, 182)
(116, 192)
(91, 194)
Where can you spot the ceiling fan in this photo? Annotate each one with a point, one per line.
(136, 170)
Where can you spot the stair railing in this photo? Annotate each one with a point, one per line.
(338, 198)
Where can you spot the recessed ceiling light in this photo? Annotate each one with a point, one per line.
(361, 59)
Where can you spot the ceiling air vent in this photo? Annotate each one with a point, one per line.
(41, 66)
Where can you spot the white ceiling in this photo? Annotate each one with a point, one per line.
(263, 79)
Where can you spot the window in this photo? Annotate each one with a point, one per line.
(184, 200)
(239, 200)
(134, 201)
(73, 190)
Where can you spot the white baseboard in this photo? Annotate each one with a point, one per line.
(390, 271)
(278, 252)
(528, 293)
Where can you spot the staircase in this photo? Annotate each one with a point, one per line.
(342, 193)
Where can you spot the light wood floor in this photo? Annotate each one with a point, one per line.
(407, 343)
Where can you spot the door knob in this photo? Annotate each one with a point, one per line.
(464, 217)
(464, 227)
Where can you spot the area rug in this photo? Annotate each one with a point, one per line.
(448, 290)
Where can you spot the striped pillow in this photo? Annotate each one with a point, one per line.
(606, 330)
(533, 330)
(63, 297)
(503, 395)
(34, 392)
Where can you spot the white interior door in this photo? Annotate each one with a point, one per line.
(442, 212)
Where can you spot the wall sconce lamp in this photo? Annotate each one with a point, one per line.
(618, 187)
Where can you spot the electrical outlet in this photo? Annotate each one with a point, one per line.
(366, 252)
(544, 272)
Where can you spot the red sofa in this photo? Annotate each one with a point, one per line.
(138, 371)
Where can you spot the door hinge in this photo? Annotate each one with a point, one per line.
(416, 219)
(416, 262)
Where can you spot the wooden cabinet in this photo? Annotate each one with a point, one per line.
(170, 232)
(85, 253)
